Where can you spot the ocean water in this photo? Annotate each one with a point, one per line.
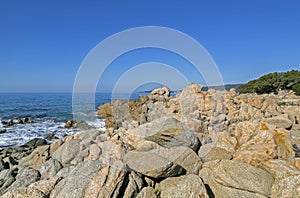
(47, 111)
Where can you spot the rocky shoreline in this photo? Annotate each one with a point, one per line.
(195, 144)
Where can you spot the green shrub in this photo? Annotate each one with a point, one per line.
(273, 82)
(296, 88)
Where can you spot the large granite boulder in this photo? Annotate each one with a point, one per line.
(36, 158)
(258, 143)
(168, 132)
(160, 94)
(147, 192)
(152, 164)
(184, 187)
(227, 178)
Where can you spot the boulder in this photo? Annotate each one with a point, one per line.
(135, 184)
(3, 165)
(24, 193)
(147, 192)
(2, 131)
(107, 181)
(67, 152)
(279, 121)
(70, 124)
(50, 136)
(75, 182)
(183, 156)
(160, 94)
(45, 186)
(50, 168)
(259, 143)
(184, 186)
(7, 177)
(280, 168)
(210, 152)
(24, 178)
(36, 158)
(39, 189)
(36, 142)
(152, 164)
(190, 106)
(227, 178)
(286, 187)
(169, 132)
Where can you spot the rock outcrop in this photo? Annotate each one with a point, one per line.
(194, 144)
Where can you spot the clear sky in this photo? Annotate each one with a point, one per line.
(42, 43)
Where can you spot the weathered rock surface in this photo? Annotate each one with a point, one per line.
(76, 181)
(195, 144)
(228, 178)
(184, 186)
(152, 164)
(210, 152)
(286, 187)
(259, 143)
(166, 132)
(147, 192)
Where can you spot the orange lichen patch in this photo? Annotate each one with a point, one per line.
(263, 126)
(284, 144)
(279, 137)
(176, 129)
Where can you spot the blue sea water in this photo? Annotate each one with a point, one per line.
(48, 112)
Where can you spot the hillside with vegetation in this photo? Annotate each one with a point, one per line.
(273, 82)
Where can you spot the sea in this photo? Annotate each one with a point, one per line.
(48, 113)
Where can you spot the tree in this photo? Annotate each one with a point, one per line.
(273, 82)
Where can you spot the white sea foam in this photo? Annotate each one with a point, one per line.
(99, 124)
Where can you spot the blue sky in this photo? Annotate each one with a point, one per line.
(42, 43)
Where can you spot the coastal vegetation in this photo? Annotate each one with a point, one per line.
(273, 82)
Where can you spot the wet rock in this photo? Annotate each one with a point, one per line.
(36, 142)
(50, 137)
(185, 186)
(3, 165)
(20, 121)
(70, 124)
(9, 123)
(83, 125)
(27, 120)
(2, 131)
